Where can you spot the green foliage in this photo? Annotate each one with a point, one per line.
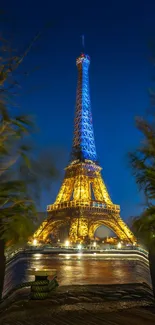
(144, 227)
(142, 162)
(24, 172)
(16, 206)
(143, 159)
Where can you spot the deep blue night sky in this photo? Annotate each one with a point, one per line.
(117, 34)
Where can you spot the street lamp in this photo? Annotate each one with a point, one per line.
(79, 246)
(67, 243)
(34, 242)
(119, 245)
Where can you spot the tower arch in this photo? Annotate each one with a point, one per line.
(104, 232)
(50, 228)
(116, 225)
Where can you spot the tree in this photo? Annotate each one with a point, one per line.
(23, 171)
(142, 162)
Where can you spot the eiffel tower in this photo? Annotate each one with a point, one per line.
(83, 203)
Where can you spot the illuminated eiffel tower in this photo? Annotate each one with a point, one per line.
(83, 203)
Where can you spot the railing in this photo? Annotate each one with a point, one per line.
(44, 249)
(13, 253)
(91, 204)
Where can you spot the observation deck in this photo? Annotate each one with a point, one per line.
(83, 204)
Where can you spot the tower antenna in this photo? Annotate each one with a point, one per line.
(83, 42)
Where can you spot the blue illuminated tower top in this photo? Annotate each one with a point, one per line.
(83, 141)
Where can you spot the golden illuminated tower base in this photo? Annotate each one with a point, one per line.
(82, 205)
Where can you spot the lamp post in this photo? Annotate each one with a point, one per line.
(119, 245)
(67, 243)
(35, 242)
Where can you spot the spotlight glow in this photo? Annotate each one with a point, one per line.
(119, 245)
(34, 242)
(67, 243)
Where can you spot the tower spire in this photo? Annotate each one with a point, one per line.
(83, 147)
(83, 43)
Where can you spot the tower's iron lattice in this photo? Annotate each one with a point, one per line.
(83, 202)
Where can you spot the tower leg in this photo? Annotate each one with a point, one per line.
(78, 230)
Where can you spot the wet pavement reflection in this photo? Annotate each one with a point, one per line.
(72, 270)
